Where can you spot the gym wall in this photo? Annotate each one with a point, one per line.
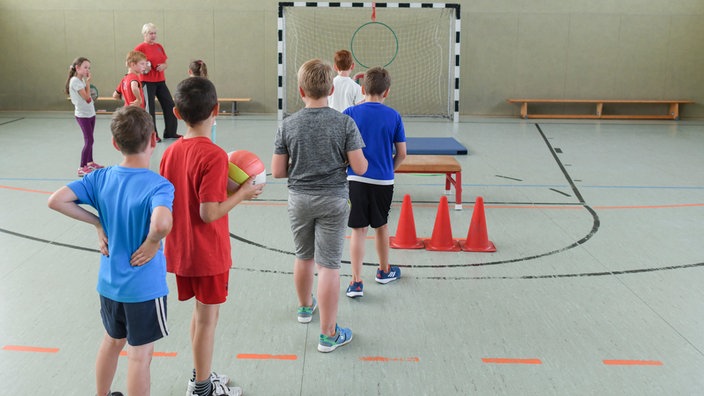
(630, 49)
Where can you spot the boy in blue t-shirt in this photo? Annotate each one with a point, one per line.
(371, 193)
(133, 207)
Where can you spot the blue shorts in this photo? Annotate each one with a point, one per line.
(141, 323)
(319, 225)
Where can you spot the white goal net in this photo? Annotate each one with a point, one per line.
(418, 43)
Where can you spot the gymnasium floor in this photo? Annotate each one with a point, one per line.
(595, 287)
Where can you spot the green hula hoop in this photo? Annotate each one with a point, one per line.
(373, 23)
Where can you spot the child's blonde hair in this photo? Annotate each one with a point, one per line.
(134, 57)
(315, 78)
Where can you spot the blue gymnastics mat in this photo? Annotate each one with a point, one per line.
(434, 146)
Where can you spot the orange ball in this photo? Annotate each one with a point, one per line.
(243, 165)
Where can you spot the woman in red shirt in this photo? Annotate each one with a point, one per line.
(154, 81)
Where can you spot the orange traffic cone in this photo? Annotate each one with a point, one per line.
(406, 232)
(477, 237)
(442, 231)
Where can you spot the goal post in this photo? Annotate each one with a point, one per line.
(418, 43)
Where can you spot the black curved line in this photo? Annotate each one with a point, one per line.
(11, 121)
(595, 227)
(31, 238)
(524, 277)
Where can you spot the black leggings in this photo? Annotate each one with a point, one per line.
(161, 92)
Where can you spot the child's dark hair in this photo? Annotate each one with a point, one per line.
(198, 68)
(131, 127)
(376, 81)
(72, 70)
(195, 99)
(343, 60)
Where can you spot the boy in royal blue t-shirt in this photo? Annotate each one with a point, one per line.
(371, 193)
(133, 207)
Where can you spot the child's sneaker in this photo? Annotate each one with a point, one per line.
(220, 389)
(214, 377)
(305, 314)
(328, 344)
(386, 277)
(94, 165)
(355, 289)
(84, 170)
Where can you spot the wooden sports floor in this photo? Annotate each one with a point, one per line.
(596, 287)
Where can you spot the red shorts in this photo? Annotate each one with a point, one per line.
(209, 290)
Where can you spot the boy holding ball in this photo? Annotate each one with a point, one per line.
(198, 248)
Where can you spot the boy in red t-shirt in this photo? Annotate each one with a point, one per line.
(130, 89)
(198, 248)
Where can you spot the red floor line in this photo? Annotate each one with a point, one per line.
(20, 348)
(265, 356)
(621, 362)
(511, 361)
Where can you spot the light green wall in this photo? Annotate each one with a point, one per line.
(601, 49)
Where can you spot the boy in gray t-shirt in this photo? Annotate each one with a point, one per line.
(313, 148)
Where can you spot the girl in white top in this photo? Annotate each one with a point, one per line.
(78, 88)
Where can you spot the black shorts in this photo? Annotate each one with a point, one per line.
(370, 204)
(141, 323)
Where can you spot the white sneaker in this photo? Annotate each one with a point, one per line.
(220, 389)
(214, 378)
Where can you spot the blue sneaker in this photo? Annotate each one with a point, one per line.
(355, 289)
(386, 277)
(305, 314)
(328, 344)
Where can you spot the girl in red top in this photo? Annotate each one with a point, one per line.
(154, 81)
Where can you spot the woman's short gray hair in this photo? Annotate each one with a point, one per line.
(148, 27)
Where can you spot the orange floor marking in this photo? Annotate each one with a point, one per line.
(618, 362)
(20, 348)
(265, 356)
(388, 359)
(155, 354)
(511, 361)
(26, 190)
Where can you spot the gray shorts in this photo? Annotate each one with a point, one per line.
(318, 224)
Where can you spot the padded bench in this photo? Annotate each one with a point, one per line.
(672, 114)
(437, 164)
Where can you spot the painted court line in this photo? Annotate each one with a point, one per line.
(621, 362)
(511, 361)
(26, 190)
(265, 356)
(20, 348)
(384, 359)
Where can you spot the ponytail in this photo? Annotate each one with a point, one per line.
(198, 68)
(72, 70)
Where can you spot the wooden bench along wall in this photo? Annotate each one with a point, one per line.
(233, 102)
(673, 113)
(443, 164)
